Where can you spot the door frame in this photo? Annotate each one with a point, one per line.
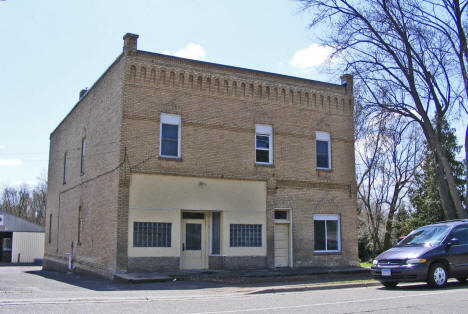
(290, 234)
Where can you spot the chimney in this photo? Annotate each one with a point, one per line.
(130, 44)
(83, 92)
(347, 80)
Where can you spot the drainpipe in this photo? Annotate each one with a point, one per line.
(70, 258)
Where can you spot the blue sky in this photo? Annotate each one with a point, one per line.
(52, 49)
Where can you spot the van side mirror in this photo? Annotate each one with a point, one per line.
(453, 241)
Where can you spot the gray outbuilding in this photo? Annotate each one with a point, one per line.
(21, 241)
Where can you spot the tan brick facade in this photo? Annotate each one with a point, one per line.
(219, 107)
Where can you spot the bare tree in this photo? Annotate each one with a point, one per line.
(25, 202)
(409, 62)
(449, 19)
(387, 159)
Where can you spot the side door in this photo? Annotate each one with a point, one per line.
(458, 253)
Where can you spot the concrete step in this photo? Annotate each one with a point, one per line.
(142, 277)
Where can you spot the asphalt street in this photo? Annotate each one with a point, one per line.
(29, 290)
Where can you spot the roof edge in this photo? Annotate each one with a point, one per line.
(87, 92)
(240, 68)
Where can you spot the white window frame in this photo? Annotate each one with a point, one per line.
(264, 130)
(171, 119)
(325, 137)
(329, 218)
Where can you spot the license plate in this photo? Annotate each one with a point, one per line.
(386, 272)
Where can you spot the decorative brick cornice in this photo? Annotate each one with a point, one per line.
(155, 72)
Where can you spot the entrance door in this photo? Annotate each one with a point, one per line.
(193, 244)
(281, 245)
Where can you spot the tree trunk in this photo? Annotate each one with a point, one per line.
(445, 179)
(460, 210)
(389, 226)
(447, 205)
(466, 166)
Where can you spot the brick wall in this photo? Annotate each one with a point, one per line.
(96, 117)
(219, 107)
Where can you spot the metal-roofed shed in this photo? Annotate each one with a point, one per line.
(21, 241)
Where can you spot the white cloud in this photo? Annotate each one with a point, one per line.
(10, 162)
(29, 183)
(310, 57)
(2, 147)
(191, 51)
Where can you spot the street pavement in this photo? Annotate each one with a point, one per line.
(30, 290)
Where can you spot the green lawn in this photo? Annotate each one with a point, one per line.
(366, 265)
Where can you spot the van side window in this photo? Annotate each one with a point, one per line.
(461, 233)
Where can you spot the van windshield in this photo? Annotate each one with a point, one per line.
(426, 236)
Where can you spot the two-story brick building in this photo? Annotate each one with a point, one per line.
(167, 164)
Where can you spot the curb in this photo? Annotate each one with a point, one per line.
(317, 287)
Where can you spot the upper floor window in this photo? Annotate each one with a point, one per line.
(170, 136)
(83, 153)
(323, 150)
(263, 144)
(65, 168)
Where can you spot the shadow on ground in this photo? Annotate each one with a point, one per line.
(420, 286)
(195, 282)
(101, 284)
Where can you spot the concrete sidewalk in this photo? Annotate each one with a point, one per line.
(268, 280)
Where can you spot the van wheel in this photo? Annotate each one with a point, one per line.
(389, 284)
(462, 280)
(437, 276)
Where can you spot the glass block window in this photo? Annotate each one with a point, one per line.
(170, 136)
(245, 235)
(152, 234)
(263, 144)
(326, 233)
(323, 150)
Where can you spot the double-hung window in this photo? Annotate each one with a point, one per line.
(327, 233)
(263, 144)
(323, 150)
(170, 136)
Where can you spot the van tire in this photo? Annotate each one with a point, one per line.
(389, 284)
(437, 276)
